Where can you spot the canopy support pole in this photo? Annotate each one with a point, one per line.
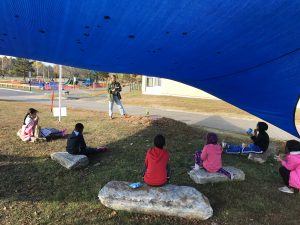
(59, 92)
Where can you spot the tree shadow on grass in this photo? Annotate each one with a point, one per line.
(40, 178)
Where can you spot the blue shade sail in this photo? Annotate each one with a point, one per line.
(244, 52)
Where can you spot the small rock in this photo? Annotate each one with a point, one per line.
(4, 208)
(131, 143)
(97, 164)
(70, 161)
(112, 214)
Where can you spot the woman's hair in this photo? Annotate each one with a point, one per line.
(211, 138)
(292, 146)
(159, 141)
(262, 126)
(29, 112)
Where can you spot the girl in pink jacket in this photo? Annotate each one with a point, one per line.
(30, 130)
(210, 158)
(290, 169)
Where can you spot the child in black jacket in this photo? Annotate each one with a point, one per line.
(76, 144)
(260, 143)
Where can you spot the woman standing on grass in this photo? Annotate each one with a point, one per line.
(114, 88)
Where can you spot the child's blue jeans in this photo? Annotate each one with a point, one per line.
(238, 149)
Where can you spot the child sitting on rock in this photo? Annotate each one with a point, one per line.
(290, 169)
(210, 158)
(156, 163)
(260, 143)
(76, 144)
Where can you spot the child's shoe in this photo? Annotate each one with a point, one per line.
(102, 149)
(196, 167)
(286, 189)
(244, 145)
(224, 144)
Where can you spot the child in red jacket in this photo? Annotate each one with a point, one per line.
(156, 163)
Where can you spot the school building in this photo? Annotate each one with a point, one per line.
(161, 86)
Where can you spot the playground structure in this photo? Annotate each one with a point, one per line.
(51, 85)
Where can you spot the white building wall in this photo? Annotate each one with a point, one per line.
(173, 88)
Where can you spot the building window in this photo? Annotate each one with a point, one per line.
(153, 82)
(149, 82)
(157, 82)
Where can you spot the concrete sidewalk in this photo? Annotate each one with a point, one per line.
(192, 118)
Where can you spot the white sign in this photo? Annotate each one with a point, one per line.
(63, 111)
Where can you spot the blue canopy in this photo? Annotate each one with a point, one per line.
(244, 52)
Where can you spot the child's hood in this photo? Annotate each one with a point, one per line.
(214, 148)
(295, 155)
(156, 153)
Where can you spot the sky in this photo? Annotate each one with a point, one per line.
(45, 63)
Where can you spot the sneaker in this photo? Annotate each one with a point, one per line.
(244, 145)
(102, 149)
(286, 189)
(196, 167)
(224, 144)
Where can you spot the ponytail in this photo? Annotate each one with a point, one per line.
(25, 118)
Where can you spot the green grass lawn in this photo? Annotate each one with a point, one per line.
(36, 190)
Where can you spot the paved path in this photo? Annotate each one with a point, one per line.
(191, 118)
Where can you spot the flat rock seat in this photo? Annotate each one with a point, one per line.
(262, 158)
(201, 176)
(171, 200)
(70, 161)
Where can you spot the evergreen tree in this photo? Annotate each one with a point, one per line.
(21, 67)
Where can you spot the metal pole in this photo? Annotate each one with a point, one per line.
(29, 74)
(59, 92)
(43, 74)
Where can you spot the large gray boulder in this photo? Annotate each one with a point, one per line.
(70, 161)
(171, 200)
(201, 176)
